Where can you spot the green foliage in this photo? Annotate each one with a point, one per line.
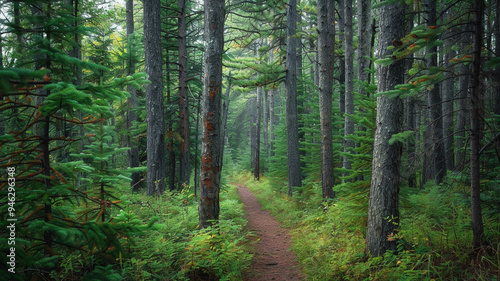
(175, 249)
(433, 242)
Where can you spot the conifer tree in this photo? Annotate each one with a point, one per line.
(154, 99)
(326, 40)
(208, 208)
(383, 210)
(184, 168)
(294, 173)
(133, 153)
(349, 84)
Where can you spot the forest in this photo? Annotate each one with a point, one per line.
(130, 132)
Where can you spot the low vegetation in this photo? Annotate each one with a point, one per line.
(434, 242)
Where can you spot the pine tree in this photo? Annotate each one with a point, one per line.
(154, 99)
(383, 210)
(210, 176)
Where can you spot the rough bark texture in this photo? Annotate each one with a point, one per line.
(294, 173)
(349, 84)
(184, 168)
(462, 116)
(326, 47)
(154, 99)
(475, 117)
(208, 208)
(341, 63)
(364, 47)
(383, 210)
(448, 90)
(434, 100)
(133, 153)
(170, 144)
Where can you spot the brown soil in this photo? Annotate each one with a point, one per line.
(273, 258)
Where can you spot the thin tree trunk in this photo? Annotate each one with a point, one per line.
(154, 99)
(341, 63)
(170, 133)
(256, 135)
(349, 85)
(294, 173)
(208, 208)
(463, 90)
(184, 168)
(364, 47)
(475, 113)
(225, 110)
(434, 102)
(133, 153)
(448, 90)
(383, 210)
(326, 48)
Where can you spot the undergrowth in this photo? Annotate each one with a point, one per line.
(173, 247)
(434, 239)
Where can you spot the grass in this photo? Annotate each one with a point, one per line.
(434, 239)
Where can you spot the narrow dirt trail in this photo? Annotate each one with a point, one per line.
(273, 259)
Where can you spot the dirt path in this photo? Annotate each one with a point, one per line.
(273, 259)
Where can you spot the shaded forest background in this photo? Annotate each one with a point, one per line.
(370, 128)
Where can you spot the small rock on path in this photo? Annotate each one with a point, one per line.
(273, 259)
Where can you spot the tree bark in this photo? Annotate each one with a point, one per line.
(170, 145)
(341, 63)
(154, 99)
(294, 173)
(383, 210)
(208, 208)
(256, 135)
(434, 101)
(326, 58)
(448, 90)
(462, 116)
(133, 153)
(475, 117)
(184, 168)
(349, 85)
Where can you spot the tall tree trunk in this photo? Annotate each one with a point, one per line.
(326, 59)
(265, 125)
(170, 133)
(154, 99)
(272, 116)
(349, 85)
(294, 173)
(184, 169)
(434, 100)
(225, 110)
(448, 90)
(341, 64)
(364, 47)
(496, 31)
(383, 210)
(463, 90)
(208, 208)
(475, 115)
(133, 153)
(256, 135)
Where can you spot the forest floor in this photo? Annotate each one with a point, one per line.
(273, 259)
